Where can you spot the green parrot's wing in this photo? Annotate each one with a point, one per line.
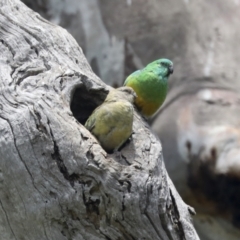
(111, 123)
(98, 114)
(107, 117)
(91, 122)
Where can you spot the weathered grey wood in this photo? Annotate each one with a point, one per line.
(201, 37)
(56, 180)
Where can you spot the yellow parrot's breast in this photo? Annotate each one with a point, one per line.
(147, 108)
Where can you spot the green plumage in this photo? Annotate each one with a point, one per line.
(150, 85)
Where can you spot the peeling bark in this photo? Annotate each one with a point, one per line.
(56, 181)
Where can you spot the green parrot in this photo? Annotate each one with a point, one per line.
(111, 122)
(150, 85)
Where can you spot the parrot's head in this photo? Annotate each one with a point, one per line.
(122, 93)
(127, 93)
(163, 66)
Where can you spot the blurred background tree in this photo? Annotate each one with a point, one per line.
(199, 122)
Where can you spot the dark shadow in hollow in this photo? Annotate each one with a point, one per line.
(84, 102)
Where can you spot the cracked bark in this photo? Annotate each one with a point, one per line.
(56, 181)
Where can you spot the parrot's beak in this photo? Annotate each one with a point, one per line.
(170, 69)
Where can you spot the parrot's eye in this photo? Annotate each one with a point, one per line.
(164, 64)
(127, 90)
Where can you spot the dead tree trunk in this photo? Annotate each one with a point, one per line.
(56, 181)
(199, 121)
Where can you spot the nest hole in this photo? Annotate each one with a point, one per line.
(84, 102)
